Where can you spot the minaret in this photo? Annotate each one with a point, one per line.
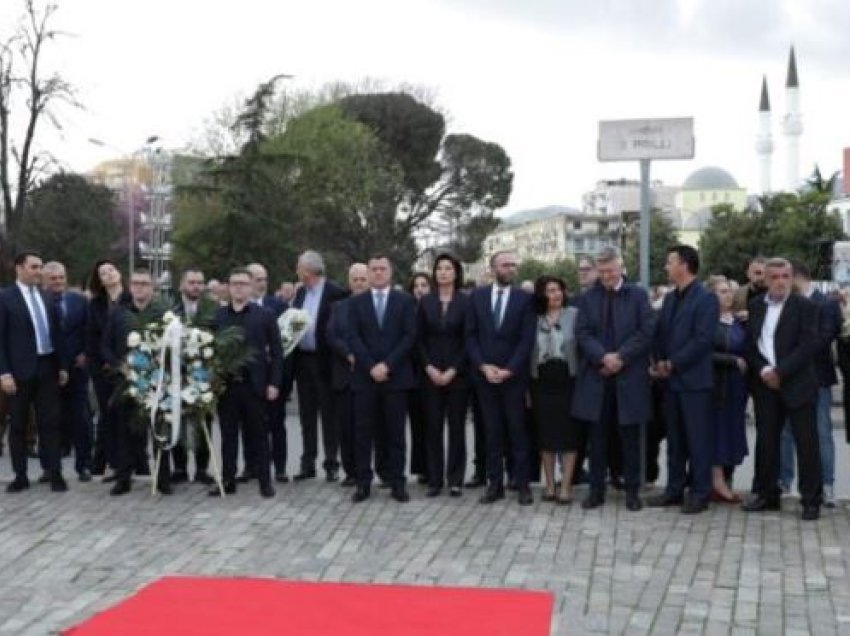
(764, 140)
(792, 126)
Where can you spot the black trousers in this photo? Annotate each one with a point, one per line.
(241, 408)
(105, 451)
(344, 411)
(379, 413)
(315, 398)
(130, 432)
(76, 428)
(277, 434)
(41, 392)
(771, 414)
(180, 453)
(503, 410)
(479, 438)
(418, 431)
(445, 407)
(628, 441)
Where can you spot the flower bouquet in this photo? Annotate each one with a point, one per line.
(293, 324)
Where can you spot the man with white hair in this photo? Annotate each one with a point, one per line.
(312, 366)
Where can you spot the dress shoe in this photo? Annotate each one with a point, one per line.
(694, 506)
(594, 500)
(57, 483)
(633, 502)
(179, 477)
(476, 482)
(665, 500)
(434, 491)
(304, 475)
(455, 491)
(810, 513)
(203, 477)
(760, 504)
(361, 493)
(245, 477)
(18, 484)
(548, 497)
(563, 499)
(229, 488)
(281, 478)
(493, 494)
(121, 487)
(349, 481)
(524, 496)
(332, 476)
(267, 490)
(399, 493)
(84, 475)
(164, 489)
(44, 478)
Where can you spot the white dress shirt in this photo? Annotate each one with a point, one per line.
(44, 348)
(312, 300)
(768, 331)
(494, 295)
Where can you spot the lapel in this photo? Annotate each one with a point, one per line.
(513, 299)
(757, 319)
(787, 308)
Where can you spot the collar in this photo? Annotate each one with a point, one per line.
(774, 302)
(497, 287)
(684, 290)
(25, 289)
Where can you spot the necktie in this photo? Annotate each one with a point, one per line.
(41, 331)
(379, 307)
(497, 308)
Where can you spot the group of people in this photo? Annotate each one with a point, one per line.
(551, 378)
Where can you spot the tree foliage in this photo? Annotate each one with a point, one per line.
(662, 236)
(565, 269)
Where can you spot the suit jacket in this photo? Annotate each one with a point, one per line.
(829, 325)
(124, 318)
(18, 348)
(204, 313)
(685, 335)
(441, 338)
(330, 295)
(263, 338)
(73, 315)
(98, 316)
(795, 344)
(337, 340)
(273, 304)
(509, 346)
(633, 329)
(392, 343)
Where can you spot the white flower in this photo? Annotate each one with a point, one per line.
(208, 353)
(207, 397)
(197, 364)
(134, 339)
(133, 392)
(206, 337)
(168, 317)
(189, 395)
(203, 386)
(133, 376)
(192, 349)
(195, 334)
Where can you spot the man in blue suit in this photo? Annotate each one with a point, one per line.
(32, 368)
(684, 344)
(382, 333)
(75, 429)
(500, 330)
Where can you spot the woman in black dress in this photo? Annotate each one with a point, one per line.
(419, 286)
(553, 368)
(441, 324)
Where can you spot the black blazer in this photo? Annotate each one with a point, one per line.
(795, 342)
(263, 338)
(829, 324)
(72, 322)
(99, 308)
(18, 348)
(337, 340)
(441, 338)
(391, 344)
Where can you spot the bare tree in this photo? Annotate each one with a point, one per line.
(27, 95)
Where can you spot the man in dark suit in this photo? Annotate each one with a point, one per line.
(76, 424)
(342, 366)
(500, 330)
(260, 290)
(614, 330)
(33, 365)
(245, 401)
(382, 334)
(312, 366)
(684, 344)
(784, 336)
(195, 309)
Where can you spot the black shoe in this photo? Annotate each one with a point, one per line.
(694, 506)
(633, 502)
(476, 482)
(594, 500)
(361, 493)
(455, 491)
(121, 487)
(203, 477)
(57, 483)
(179, 477)
(245, 477)
(665, 501)
(281, 478)
(229, 488)
(165, 489)
(760, 504)
(332, 476)
(18, 484)
(84, 475)
(399, 493)
(267, 491)
(44, 478)
(348, 482)
(434, 491)
(810, 513)
(524, 497)
(304, 475)
(493, 494)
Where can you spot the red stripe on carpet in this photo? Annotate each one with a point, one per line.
(264, 607)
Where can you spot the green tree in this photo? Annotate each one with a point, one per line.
(564, 268)
(71, 220)
(662, 236)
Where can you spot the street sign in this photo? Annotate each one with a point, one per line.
(636, 139)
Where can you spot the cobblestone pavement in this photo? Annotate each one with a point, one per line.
(66, 556)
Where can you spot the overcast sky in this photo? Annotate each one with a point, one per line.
(535, 76)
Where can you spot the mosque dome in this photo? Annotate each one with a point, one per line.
(710, 178)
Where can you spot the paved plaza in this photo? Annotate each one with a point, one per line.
(66, 556)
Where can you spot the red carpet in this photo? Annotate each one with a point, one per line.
(262, 607)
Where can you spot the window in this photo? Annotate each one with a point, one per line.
(576, 225)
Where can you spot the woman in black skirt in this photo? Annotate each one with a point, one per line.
(553, 369)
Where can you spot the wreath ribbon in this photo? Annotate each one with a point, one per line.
(171, 342)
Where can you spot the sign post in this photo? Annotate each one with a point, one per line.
(644, 140)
